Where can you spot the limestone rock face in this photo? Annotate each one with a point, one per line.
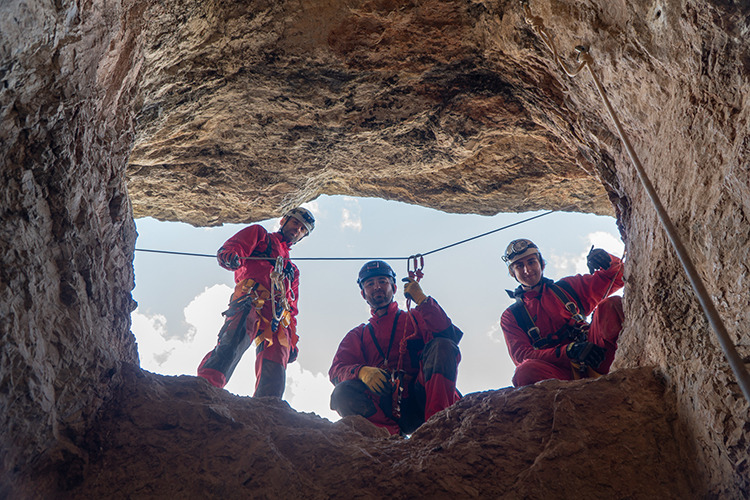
(217, 111)
(66, 226)
(179, 436)
(414, 101)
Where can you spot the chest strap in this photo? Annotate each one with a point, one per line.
(384, 355)
(562, 336)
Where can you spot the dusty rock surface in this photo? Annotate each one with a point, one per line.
(180, 437)
(398, 100)
(216, 111)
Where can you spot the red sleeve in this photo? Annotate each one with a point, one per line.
(432, 321)
(349, 357)
(520, 348)
(593, 288)
(244, 242)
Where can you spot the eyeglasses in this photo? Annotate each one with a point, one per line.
(517, 247)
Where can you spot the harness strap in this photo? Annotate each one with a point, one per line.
(266, 253)
(384, 355)
(574, 308)
(526, 322)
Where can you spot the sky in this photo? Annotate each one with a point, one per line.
(181, 298)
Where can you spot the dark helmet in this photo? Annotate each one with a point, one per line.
(375, 268)
(304, 216)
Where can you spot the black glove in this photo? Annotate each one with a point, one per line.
(585, 352)
(228, 260)
(293, 353)
(598, 259)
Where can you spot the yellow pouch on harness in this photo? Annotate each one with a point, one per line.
(260, 295)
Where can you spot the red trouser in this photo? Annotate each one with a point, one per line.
(235, 337)
(606, 325)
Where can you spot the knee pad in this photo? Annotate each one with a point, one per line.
(349, 398)
(440, 355)
(272, 380)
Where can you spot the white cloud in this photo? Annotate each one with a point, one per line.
(204, 311)
(607, 241)
(149, 332)
(309, 392)
(495, 333)
(350, 220)
(181, 356)
(568, 264)
(565, 264)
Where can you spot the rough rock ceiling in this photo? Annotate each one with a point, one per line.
(246, 110)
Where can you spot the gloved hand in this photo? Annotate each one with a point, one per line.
(375, 379)
(413, 291)
(586, 352)
(293, 353)
(228, 260)
(597, 259)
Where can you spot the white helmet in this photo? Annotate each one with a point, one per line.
(304, 216)
(518, 249)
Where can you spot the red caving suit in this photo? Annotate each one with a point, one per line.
(549, 315)
(429, 359)
(249, 317)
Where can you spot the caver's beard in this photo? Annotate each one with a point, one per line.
(379, 300)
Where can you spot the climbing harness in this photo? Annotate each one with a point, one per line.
(280, 283)
(395, 375)
(414, 269)
(704, 298)
(575, 331)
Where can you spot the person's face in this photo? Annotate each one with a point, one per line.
(527, 271)
(292, 230)
(378, 291)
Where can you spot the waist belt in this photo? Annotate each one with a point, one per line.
(250, 293)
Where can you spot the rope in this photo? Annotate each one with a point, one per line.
(714, 319)
(370, 258)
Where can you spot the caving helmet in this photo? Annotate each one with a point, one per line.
(518, 249)
(375, 268)
(304, 216)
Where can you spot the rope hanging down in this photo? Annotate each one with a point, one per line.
(714, 319)
(213, 256)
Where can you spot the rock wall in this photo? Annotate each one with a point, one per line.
(179, 436)
(389, 99)
(67, 230)
(236, 111)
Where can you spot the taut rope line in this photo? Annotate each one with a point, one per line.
(213, 256)
(730, 350)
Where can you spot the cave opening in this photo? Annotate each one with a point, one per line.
(179, 313)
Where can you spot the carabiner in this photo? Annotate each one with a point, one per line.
(417, 261)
